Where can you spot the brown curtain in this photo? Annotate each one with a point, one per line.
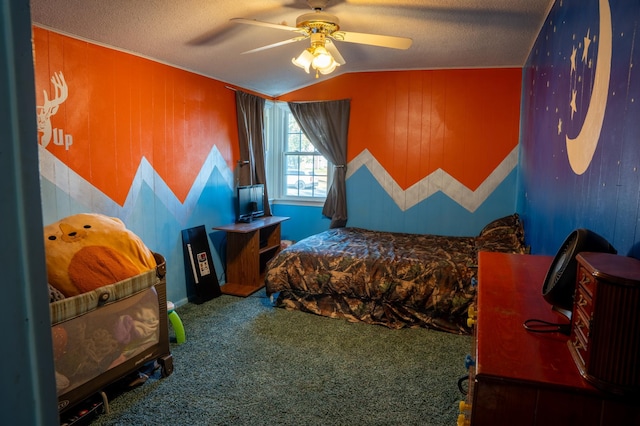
(326, 124)
(251, 167)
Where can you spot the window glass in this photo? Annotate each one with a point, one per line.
(294, 165)
(306, 168)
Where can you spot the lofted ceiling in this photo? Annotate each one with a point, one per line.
(198, 36)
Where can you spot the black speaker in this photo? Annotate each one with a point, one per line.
(559, 284)
(200, 272)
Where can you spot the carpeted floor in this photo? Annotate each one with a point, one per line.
(247, 363)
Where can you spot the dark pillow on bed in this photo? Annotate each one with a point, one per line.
(504, 235)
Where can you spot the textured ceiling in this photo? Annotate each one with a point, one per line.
(196, 35)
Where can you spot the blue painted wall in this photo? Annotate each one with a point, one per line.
(304, 220)
(555, 199)
(159, 227)
(371, 207)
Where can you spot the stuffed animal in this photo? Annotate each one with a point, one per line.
(88, 250)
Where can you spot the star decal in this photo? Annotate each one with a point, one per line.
(587, 43)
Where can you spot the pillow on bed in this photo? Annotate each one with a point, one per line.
(503, 235)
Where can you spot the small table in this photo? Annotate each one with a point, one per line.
(249, 247)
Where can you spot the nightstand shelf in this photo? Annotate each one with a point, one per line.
(249, 247)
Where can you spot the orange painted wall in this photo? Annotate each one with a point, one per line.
(121, 108)
(414, 122)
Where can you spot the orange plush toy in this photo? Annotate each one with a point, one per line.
(86, 251)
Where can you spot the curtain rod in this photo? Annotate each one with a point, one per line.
(321, 100)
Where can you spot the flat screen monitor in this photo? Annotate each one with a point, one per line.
(250, 202)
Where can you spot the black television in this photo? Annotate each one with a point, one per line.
(249, 202)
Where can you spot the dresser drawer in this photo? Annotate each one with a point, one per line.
(586, 280)
(584, 302)
(580, 337)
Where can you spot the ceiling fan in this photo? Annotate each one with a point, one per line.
(321, 28)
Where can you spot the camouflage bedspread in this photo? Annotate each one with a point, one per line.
(392, 279)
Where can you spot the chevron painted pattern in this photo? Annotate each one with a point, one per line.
(77, 187)
(439, 180)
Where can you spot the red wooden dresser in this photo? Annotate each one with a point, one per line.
(522, 378)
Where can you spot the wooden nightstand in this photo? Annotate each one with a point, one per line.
(249, 248)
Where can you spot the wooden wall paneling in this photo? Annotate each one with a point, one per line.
(415, 156)
(125, 165)
(398, 117)
(416, 114)
(485, 145)
(462, 126)
(145, 83)
(136, 78)
(370, 110)
(182, 176)
(605, 197)
(169, 127)
(628, 184)
(193, 125)
(41, 61)
(385, 147)
(77, 105)
(604, 169)
(423, 139)
(70, 123)
(455, 154)
(400, 129)
(219, 105)
(158, 126)
(197, 142)
(437, 132)
(102, 119)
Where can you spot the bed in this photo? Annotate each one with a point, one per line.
(391, 279)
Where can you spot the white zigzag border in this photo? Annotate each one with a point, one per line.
(79, 188)
(439, 180)
(53, 169)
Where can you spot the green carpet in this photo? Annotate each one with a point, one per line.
(247, 363)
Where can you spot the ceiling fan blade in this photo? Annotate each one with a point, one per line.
(280, 43)
(372, 39)
(264, 24)
(331, 48)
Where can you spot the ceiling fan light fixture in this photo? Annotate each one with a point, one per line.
(321, 58)
(331, 68)
(317, 57)
(321, 29)
(304, 60)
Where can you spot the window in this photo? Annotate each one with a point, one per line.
(295, 169)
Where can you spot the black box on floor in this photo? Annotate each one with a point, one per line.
(198, 263)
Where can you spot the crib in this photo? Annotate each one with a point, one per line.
(104, 335)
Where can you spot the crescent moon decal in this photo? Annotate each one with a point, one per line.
(581, 148)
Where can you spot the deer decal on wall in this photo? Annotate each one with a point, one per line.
(50, 108)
